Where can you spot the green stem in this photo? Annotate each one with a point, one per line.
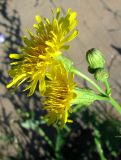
(115, 105)
(111, 100)
(98, 144)
(89, 80)
(58, 144)
(108, 89)
(102, 98)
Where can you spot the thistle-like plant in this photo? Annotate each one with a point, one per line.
(41, 61)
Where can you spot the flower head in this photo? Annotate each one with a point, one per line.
(58, 96)
(41, 50)
(95, 59)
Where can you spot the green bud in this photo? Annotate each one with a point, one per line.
(95, 59)
(101, 75)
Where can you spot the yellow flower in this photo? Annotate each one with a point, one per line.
(58, 96)
(41, 49)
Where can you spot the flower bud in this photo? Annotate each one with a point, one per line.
(95, 58)
(101, 75)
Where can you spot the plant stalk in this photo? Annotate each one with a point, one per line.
(115, 105)
(98, 145)
(108, 89)
(74, 70)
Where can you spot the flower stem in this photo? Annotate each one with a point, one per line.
(115, 105)
(104, 96)
(89, 80)
(108, 89)
(111, 100)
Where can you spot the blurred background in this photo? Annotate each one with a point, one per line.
(95, 133)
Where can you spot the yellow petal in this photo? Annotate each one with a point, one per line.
(38, 19)
(15, 80)
(70, 37)
(58, 11)
(16, 56)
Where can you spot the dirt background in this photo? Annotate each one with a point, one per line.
(99, 25)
